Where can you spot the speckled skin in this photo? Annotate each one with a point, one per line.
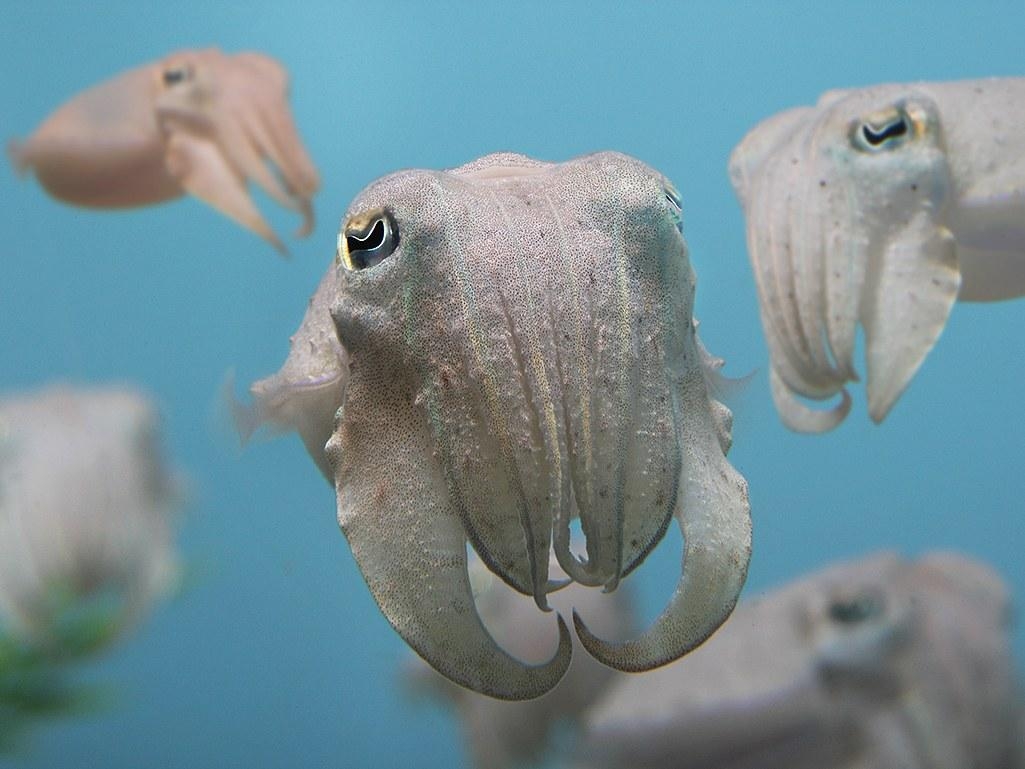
(525, 356)
(886, 231)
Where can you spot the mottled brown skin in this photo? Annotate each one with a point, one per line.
(197, 122)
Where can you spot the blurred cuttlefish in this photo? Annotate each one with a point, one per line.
(879, 663)
(200, 122)
(879, 206)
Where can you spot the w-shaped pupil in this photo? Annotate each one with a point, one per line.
(898, 127)
(370, 241)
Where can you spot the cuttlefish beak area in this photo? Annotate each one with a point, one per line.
(523, 356)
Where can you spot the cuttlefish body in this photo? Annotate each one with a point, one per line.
(514, 349)
(879, 206)
(872, 664)
(87, 507)
(197, 122)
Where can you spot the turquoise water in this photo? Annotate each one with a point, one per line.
(275, 655)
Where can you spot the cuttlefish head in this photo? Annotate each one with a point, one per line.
(846, 208)
(521, 352)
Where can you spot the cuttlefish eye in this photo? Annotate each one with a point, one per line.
(858, 608)
(175, 75)
(367, 239)
(885, 130)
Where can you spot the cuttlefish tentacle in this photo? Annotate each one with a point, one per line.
(714, 515)
(901, 327)
(410, 545)
(201, 169)
(771, 236)
(272, 135)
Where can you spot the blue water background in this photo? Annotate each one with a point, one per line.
(275, 655)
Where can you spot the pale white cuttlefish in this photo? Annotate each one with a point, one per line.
(879, 206)
(87, 507)
(878, 663)
(514, 349)
(198, 122)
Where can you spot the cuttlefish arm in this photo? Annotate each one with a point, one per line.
(714, 515)
(200, 122)
(395, 511)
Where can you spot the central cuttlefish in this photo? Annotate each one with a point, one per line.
(509, 347)
(879, 206)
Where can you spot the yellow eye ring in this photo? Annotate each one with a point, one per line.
(367, 239)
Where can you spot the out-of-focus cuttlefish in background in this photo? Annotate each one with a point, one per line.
(878, 663)
(197, 122)
(879, 206)
(88, 513)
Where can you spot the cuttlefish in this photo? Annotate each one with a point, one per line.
(197, 122)
(509, 347)
(876, 663)
(879, 206)
(87, 509)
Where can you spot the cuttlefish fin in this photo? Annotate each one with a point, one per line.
(201, 168)
(917, 283)
(16, 154)
(988, 221)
